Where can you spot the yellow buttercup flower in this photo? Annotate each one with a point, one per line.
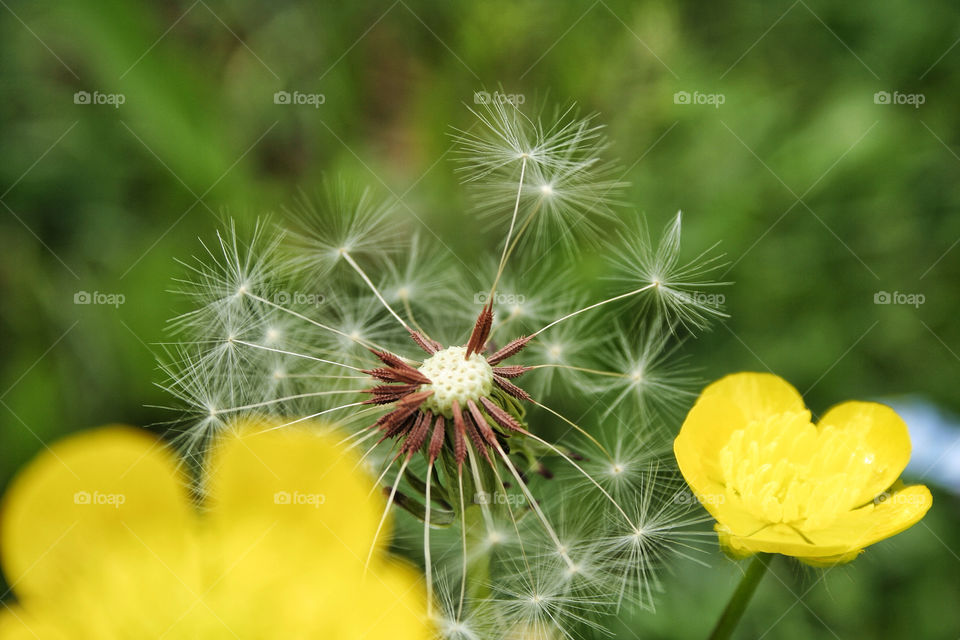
(100, 538)
(778, 483)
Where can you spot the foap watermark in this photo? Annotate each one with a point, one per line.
(499, 497)
(685, 497)
(715, 300)
(96, 97)
(99, 298)
(502, 299)
(97, 498)
(895, 97)
(899, 498)
(299, 98)
(712, 99)
(297, 498)
(485, 97)
(299, 298)
(899, 297)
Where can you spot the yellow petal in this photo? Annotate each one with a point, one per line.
(725, 406)
(832, 561)
(17, 624)
(704, 433)
(292, 486)
(887, 442)
(845, 538)
(757, 395)
(700, 468)
(401, 595)
(899, 510)
(85, 498)
(775, 538)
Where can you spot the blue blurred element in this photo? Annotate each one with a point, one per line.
(935, 434)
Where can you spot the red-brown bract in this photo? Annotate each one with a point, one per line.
(409, 423)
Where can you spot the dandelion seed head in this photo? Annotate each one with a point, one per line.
(494, 537)
(455, 378)
(319, 321)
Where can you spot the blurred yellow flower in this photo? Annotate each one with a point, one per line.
(777, 483)
(100, 539)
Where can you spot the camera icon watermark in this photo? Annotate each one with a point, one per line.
(912, 99)
(299, 98)
(897, 297)
(712, 99)
(296, 498)
(98, 298)
(898, 498)
(112, 99)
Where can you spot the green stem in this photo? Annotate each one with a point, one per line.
(478, 568)
(741, 597)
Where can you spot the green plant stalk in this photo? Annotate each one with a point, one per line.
(478, 567)
(741, 597)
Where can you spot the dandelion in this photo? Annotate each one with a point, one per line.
(456, 418)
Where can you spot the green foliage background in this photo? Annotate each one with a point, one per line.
(821, 198)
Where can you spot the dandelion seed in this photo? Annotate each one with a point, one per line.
(343, 221)
(682, 290)
(564, 184)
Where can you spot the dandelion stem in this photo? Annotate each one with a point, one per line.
(373, 287)
(315, 415)
(312, 394)
(513, 221)
(296, 355)
(536, 508)
(526, 223)
(478, 485)
(613, 374)
(426, 544)
(389, 463)
(497, 325)
(741, 597)
(386, 510)
(513, 518)
(357, 441)
(585, 474)
(463, 538)
(577, 427)
(409, 311)
(594, 306)
(321, 375)
(315, 323)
